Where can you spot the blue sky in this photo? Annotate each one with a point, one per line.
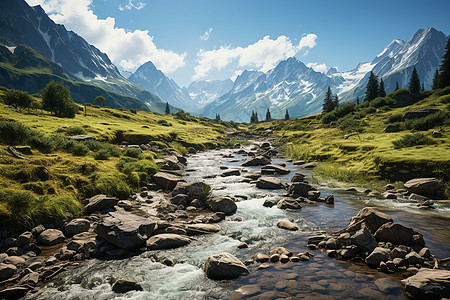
(243, 34)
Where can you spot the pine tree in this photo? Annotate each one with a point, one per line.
(414, 82)
(268, 116)
(371, 88)
(381, 90)
(435, 80)
(286, 116)
(167, 108)
(422, 88)
(444, 69)
(396, 85)
(328, 104)
(357, 100)
(252, 118)
(336, 101)
(256, 117)
(217, 117)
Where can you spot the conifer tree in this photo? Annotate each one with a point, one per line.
(396, 85)
(167, 108)
(286, 116)
(328, 104)
(371, 88)
(414, 82)
(217, 117)
(268, 116)
(422, 88)
(336, 101)
(435, 80)
(256, 117)
(381, 90)
(444, 69)
(357, 100)
(252, 118)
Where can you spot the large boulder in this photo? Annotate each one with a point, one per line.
(166, 180)
(224, 266)
(100, 202)
(371, 217)
(125, 230)
(24, 239)
(428, 284)
(123, 286)
(233, 172)
(300, 189)
(396, 234)
(419, 113)
(277, 169)
(167, 241)
(425, 186)
(197, 190)
(364, 239)
(288, 225)
(223, 204)
(77, 226)
(289, 203)
(50, 237)
(256, 161)
(270, 183)
(378, 255)
(6, 271)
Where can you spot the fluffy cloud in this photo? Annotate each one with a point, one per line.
(206, 35)
(318, 67)
(127, 49)
(131, 5)
(262, 55)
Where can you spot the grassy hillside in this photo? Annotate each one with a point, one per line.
(62, 171)
(369, 152)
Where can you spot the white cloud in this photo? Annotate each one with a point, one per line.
(127, 49)
(322, 68)
(206, 35)
(236, 74)
(131, 5)
(262, 55)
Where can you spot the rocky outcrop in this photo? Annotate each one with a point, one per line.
(77, 226)
(224, 266)
(428, 284)
(425, 186)
(125, 230)
(420, 113)
(223, 204)
(397, 234)
(256, 161)
(100, 202)
(269, 183)
(289, 203)
(167, 241)
(167, 181)
(372, 218)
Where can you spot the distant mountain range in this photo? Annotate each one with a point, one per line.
(35, 50)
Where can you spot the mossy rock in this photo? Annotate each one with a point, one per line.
(123, 286)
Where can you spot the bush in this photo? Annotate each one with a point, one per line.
(429, 122)
(76, 130)
(56, 99)
(164, 123)
(445, 99)
(173, 135)
(338, 112)
(133, 111)
(79, 149)
(443, 92)
(113, 185)
(132, 152)
(411, 140)
(19, 98)
(394, 118)
(101, 154)
(399, 92)
(382, 101)
(13, 133)
(95, 146)
(350, 124)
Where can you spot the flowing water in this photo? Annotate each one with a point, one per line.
(318, 278)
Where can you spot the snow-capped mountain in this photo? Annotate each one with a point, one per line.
(294, 86)
(153, 80)
(204, 91)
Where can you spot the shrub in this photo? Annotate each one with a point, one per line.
(133, 111)
(19, 98)
(13, 133)
(445, 99)
(382, 101)
(394, 118)
(411, 140)
(173, 135)
(102, 154)
(180, 149)
(430, 121)
(95, 146)
(350, 124)
(79, 149)
(443, 92)
(113, 185)
(164, 123)
(399, 92)
(76, 130)
(132, 152)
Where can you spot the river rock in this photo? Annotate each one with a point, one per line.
(123, 286)
(246, 291)
(100, 202)
(280, 251)
(197, 190)
(234, 172)
(372, 218)
(310, 165)
(269, 183)
(6, 271)
(37, 230)
(329, 199)
(50, 237)
(200, 228)
(167, 241)
(180, 199)
(261, 257)
(14, 292)
(224, 266)
(170, 162)
(14, 260)
(425, 252)
(77, 226)
(278, 169)
(364, 239)
(125, 230)
(288, 225)
(425, 186)
(24, 239)
(289, 203)
(223, 204)
(398, 252)
(428, 284)
(313, 195)
(413, 258)
(256, 161)
(167, 181)
(378, 255)
(395, 233)
(300, 189)
(298, 177)
(30, 279)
